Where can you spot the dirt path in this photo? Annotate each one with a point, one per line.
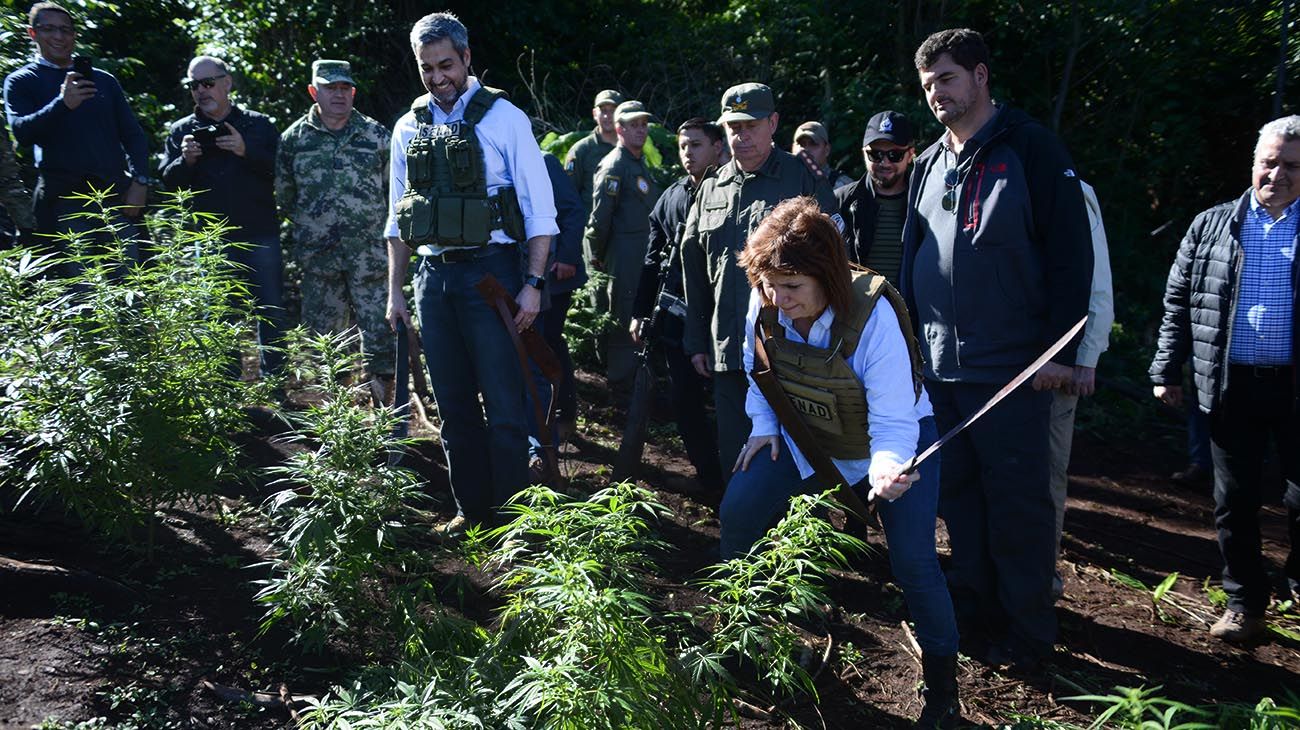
(190, 617)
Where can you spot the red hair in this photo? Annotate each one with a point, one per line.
(798, 238)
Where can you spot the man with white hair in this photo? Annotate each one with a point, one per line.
(1230, 303)
(467, 188)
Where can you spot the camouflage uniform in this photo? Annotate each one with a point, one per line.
(333, 188)
(13, 194)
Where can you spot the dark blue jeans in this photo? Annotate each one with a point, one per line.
(469, 352)
(995, 498)
(759, 496)
(262, 267)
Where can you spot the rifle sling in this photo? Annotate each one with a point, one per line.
(495, 296)
(765, 378)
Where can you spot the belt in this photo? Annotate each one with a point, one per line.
(1263, 371)
(456, 256)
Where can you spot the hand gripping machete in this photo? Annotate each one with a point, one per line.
(1006, 390)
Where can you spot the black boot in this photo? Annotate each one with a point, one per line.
(941, 707)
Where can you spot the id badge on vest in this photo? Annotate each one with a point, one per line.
(819, 407)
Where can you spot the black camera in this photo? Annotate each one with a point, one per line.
(207, 136)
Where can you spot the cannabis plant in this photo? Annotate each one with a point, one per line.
(115, 393)
(342, 513)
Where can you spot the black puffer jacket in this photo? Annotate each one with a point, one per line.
(1201, 302)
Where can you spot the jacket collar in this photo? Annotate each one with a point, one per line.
(235, 114)
(770, 168)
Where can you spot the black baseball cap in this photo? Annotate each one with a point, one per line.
(889, 126)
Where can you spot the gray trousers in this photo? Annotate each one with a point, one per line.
(1060, 439)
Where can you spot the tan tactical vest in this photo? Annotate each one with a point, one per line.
(446, 201)
(821, 382)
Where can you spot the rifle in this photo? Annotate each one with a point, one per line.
(638, 409)
(528, 344)
(408, 365)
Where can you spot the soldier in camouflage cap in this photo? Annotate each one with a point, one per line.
(331, 182)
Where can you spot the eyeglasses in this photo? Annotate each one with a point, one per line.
(880, 155)
(951, 178)
(49, 29)
(207, 83)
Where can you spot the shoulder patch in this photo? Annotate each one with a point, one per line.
(838, 220)
(569, 164)
(611, 185)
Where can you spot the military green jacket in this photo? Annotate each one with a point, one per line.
(333, 187)
(13, 194)
(581, 163)
(618, 229)
(727, 208)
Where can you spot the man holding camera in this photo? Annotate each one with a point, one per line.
(81, 126)
(227, 155)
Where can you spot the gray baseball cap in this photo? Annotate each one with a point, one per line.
(608, 96)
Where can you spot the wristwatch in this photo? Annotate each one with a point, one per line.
(536, 282)
(144, 180)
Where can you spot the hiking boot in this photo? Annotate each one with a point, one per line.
(1237, 626)
(1194, 475)
(450, 531)
(942, 709)
(1014, 655)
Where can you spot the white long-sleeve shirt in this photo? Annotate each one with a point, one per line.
(880, 361)
(511, 157)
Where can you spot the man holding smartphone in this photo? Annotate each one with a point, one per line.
(80, 124)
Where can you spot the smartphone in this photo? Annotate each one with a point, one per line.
(82, 65)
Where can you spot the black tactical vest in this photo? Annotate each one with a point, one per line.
(446, 201)
(820, 381)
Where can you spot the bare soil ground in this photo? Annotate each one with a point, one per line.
(103, 633)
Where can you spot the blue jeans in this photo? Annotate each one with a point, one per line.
(759, 496)
(469, 352)
(262, 268)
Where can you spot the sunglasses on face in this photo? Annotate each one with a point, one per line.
(207, 83)
(881, 155)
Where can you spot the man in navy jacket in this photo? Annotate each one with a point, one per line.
(81, 127)
(997, 264)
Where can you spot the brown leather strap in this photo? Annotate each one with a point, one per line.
(496, 297)
(765, 378)
(413, 358)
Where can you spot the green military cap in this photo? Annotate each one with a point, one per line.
(629, 110)
(325, 71)
(747, 101)
(608, 96)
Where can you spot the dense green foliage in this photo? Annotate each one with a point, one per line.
(1144, 93)
(116, 395)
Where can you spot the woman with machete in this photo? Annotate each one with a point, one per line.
(835, 398)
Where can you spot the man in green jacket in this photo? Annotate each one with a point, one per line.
(331, 180)
(586, 153)
(618, 230)
(728, 207)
